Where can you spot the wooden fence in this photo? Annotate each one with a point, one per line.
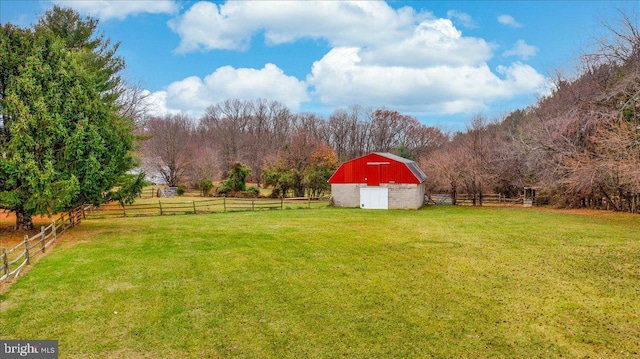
(13, 260)
(468, 199)
(148, 192)
(213, 205)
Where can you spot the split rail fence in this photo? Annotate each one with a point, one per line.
(12, 261)
(468, 199)
(214, 205)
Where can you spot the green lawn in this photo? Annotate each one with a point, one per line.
(449, 282)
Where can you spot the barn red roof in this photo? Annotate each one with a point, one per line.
(376, 168)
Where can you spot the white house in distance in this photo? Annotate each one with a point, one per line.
(378, 181)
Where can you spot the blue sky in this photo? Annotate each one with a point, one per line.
(442, 62)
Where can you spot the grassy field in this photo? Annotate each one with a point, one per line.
(445, 282)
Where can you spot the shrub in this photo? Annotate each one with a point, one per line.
(238, 175)
(223, 190)
(205, 187)
(253, 191)
(180, 190)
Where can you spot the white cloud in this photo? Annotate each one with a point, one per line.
(509, 20)
(340, 78)
(157, 104)
(194, 94)
(521, 79)
(114, 9)
(401, 59)
(207, 26)
(434, 42)
(521, 49)
(465, 19)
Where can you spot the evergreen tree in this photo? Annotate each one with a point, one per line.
(62, 141)
(238, 175)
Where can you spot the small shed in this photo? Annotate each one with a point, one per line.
(378, 181)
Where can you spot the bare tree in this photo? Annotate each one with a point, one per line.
(388, 130)
(312, 124)
(338, 133)
(513, 164)
(170, 147)
(133, 102)
(280, 122)
(422, 140)
(228, 123)
(444, 168)
(205, 164)
(478, 174)
(585, 134)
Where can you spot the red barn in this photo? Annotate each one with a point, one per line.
(378, 181)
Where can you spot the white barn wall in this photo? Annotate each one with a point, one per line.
(401, 196)
(406, 196)
(346, 195)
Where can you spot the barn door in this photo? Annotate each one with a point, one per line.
(374, 197)
(373, 174)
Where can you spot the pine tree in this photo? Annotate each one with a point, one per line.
(62, 141)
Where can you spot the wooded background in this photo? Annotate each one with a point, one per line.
(580, 144)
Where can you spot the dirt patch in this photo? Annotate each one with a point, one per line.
(10, 237)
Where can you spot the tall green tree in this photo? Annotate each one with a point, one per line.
(62, 142)
(98, 55)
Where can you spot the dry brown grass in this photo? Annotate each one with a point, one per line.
(10, 237)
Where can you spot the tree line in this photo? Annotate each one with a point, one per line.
(580, 143)
(292, 152)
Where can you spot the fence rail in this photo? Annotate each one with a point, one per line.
(468, 199)
(214, 205)
(465, 199)
(12, 261)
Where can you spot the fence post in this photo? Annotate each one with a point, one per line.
(160, 203)
(5, 262)
(26, 248)
(62, 221)
(53, 224)
(224, 203)
(42, 238)
(252, 204)
(194, 207)
(124, 211)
